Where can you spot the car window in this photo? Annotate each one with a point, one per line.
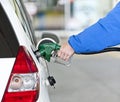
(8, 41)
(23, 17)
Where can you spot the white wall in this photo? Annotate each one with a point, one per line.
(115, 1)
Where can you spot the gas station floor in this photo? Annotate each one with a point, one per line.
(90, 78)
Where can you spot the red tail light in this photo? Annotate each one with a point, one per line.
(23, 85)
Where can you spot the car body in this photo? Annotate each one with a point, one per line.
(23, 75)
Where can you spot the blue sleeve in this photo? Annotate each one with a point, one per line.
(103, 34)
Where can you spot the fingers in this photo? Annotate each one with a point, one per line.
(65, 52)
(63, 55)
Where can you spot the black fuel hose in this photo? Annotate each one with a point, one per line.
(111, 49)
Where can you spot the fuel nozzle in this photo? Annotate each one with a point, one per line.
(46, 50)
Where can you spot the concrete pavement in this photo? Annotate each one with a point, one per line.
(93, 78)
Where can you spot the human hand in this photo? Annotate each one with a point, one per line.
(65, 52)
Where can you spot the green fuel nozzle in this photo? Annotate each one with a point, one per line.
(46, 50)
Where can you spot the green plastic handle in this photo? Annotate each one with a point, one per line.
(46, 50)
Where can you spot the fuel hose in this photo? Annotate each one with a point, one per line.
(111, 49)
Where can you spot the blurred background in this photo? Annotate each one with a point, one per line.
(66, 14)
(93, 78)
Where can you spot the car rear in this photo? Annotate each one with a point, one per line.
(23, 83)
(20, 75)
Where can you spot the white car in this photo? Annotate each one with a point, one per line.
(23, 76)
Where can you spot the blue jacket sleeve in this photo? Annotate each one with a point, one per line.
(103, 34)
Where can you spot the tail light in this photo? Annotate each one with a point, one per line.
(23, 84)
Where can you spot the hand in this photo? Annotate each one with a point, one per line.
(65, 52)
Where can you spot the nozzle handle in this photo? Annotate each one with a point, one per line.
(46, 50)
